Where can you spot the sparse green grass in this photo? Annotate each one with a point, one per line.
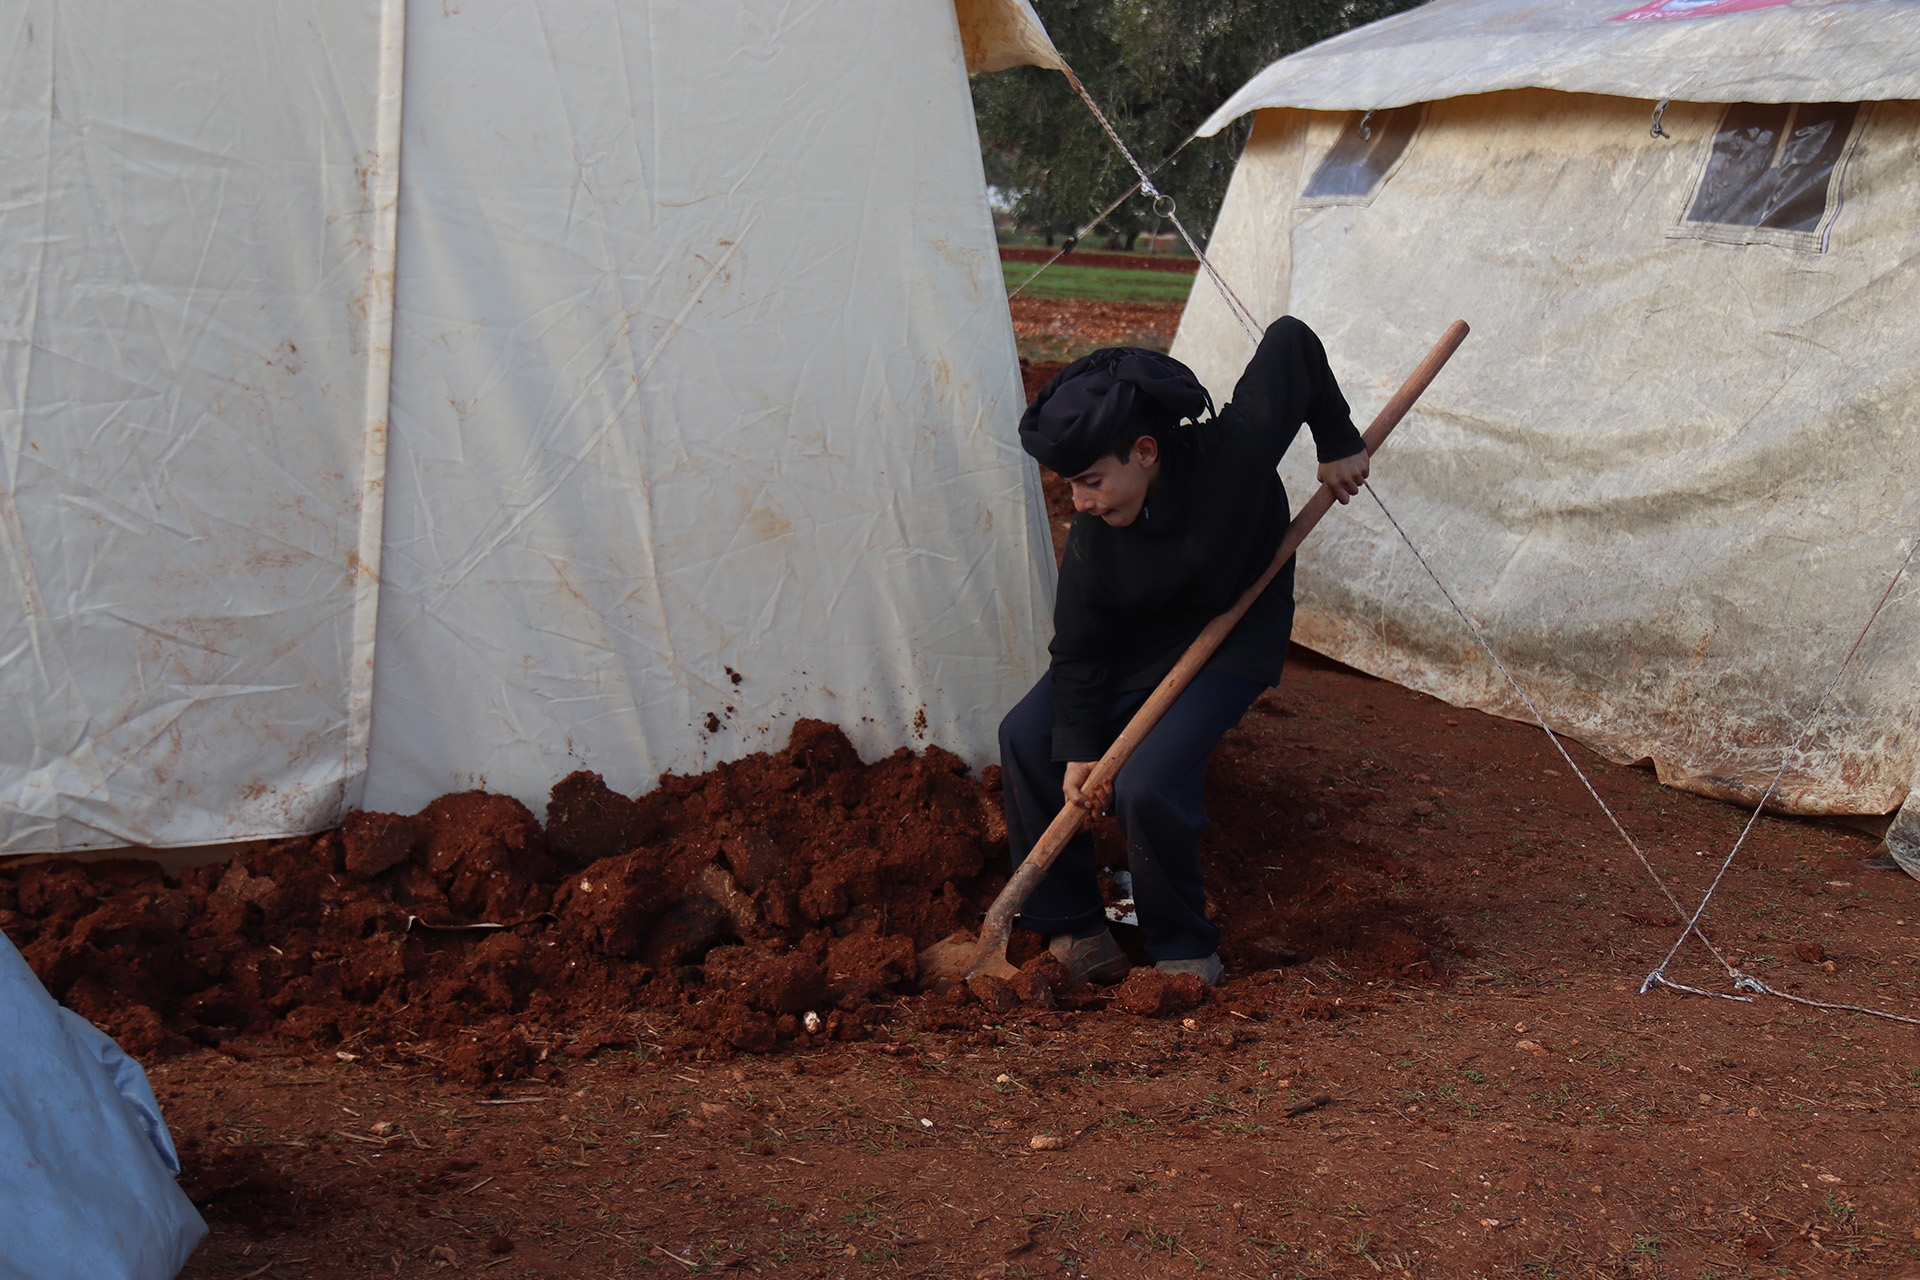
(1099, 284)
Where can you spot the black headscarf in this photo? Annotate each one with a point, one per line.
(1081, 413)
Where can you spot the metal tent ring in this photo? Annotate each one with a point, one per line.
(1163, 206)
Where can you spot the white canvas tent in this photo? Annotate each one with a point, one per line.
(1679, 459)
(400, 398)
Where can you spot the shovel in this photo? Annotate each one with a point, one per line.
(959, 956)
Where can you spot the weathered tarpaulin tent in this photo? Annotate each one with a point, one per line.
(1679, 461)
(87, 1165)
(406, 397)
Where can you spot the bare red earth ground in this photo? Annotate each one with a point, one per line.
(1059, 328)
(1516, 1110)
(1431, 1057)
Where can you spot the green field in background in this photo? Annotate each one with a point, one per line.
(1101, 284)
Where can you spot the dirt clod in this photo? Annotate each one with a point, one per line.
(996, 994)
(747, 1030)
(773, 982)
(1149, 993)
(487, 856)
(588, 821)
(377, 842)
(611, 905)
(1037, 980)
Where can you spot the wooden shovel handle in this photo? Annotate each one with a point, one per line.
(998, 924)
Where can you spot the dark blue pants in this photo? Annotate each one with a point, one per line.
(1156, 799)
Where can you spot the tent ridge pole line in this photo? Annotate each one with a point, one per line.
(381, 210)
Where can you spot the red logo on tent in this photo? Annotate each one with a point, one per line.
(1657, 10)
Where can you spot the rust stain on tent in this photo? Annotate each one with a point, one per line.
(23, 574)
(357, 569)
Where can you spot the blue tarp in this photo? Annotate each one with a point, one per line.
(86, 1164)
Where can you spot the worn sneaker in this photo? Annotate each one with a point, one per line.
(1207, 968)
(1095, 959)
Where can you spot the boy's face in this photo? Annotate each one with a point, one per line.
(1115, 489)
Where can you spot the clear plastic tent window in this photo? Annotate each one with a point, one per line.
(1774, 167)
(1362, 158)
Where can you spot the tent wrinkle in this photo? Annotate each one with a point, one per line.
(520, 513)
(1860, 51)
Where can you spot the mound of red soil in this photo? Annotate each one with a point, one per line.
(783, 897)
(790, 882)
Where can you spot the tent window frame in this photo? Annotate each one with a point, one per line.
(1349, 140)
(1721, 145)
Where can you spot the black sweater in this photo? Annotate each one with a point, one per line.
(1132, 599)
